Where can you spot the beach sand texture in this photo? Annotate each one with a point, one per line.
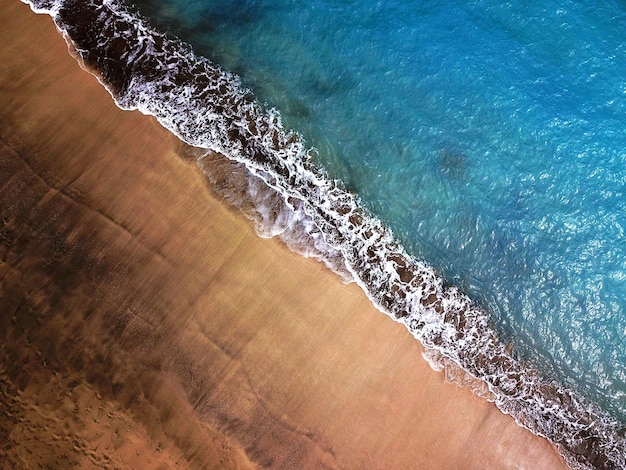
(143, 324)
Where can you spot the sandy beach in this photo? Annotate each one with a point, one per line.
(144, 324)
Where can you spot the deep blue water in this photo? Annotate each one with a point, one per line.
(489, 136)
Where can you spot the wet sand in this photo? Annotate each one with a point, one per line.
(143, 324)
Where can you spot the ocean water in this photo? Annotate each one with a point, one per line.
(480, 149)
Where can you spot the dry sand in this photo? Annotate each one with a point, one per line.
(143, 324)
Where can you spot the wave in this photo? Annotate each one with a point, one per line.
(281, 188)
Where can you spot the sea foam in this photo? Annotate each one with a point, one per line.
(288, 195)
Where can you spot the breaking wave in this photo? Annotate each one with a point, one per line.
(278, 185)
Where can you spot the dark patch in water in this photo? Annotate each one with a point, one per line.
(452, 163)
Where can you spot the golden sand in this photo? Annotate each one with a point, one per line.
(143, 324)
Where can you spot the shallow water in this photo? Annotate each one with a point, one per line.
(489, 143)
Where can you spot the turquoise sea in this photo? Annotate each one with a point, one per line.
(489, 137)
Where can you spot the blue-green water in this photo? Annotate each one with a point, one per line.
(490, 136)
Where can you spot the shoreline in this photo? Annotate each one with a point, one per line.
(152, 327)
